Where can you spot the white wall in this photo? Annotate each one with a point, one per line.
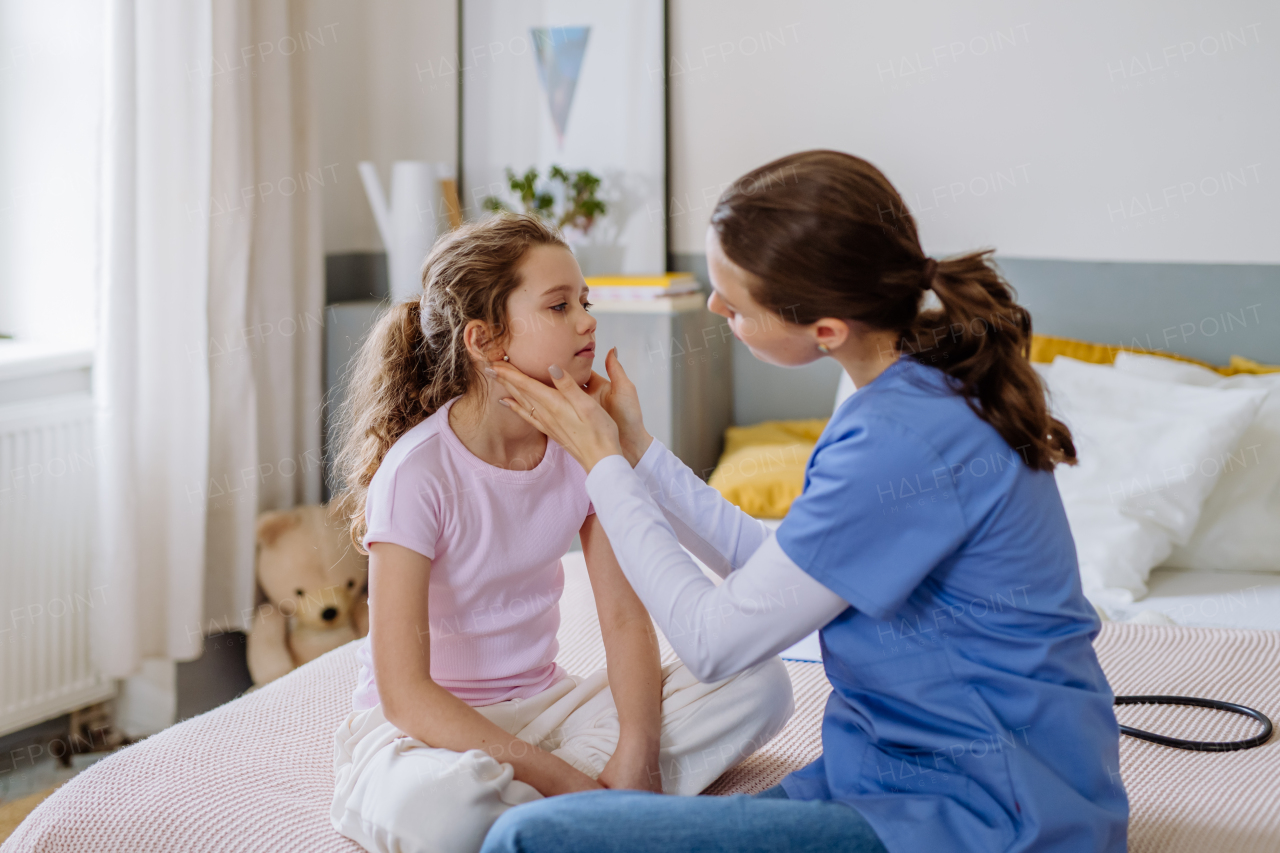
(386, 90)
(1097, 129)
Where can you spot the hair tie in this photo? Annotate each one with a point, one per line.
(930, 268)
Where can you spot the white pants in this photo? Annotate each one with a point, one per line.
(395, 794)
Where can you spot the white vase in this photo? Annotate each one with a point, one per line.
(408, 224)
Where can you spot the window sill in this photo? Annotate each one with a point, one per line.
(31, 371)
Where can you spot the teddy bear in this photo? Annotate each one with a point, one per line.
(316, 586)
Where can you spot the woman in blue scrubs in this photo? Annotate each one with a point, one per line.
(930, 546)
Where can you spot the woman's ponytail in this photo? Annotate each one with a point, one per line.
(981, 336)
(826, 235)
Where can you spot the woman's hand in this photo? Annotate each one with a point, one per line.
(617, 396)
(565, 413)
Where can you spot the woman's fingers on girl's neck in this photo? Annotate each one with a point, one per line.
(509, 374)
(596, 385)
(524, 388)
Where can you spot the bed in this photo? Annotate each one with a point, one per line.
(256, 774)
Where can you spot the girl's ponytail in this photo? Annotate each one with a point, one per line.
(415, 359)
(388, 393)
(824, 234)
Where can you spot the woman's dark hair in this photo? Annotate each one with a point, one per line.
(824, 234)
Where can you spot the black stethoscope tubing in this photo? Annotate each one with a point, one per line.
(1198, 745)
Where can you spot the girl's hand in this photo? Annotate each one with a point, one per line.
(569, 780)
(565, 413)
(617, 395)
(633, 766)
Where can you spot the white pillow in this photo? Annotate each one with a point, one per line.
(1239, 528)
(845, 388)
(1141, 480)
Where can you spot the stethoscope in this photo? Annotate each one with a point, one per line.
(1197, 745)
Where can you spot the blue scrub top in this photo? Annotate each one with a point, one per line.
(969, 711)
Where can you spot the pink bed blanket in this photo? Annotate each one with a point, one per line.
(256, 774)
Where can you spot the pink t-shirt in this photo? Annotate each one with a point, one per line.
(495, 537)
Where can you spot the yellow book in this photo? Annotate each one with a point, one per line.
(641, 286)
(664, 280)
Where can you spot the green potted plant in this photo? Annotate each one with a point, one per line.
(575, 192)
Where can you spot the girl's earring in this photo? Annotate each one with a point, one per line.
(823, 348)
(506, 358)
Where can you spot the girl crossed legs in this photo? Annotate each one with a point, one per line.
(395, 793)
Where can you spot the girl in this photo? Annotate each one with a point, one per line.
(465, 509)
(930, 546)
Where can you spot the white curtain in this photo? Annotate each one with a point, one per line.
(151, 379)
(210, 315)
(266, 289)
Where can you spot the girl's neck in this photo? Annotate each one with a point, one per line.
(494, 433)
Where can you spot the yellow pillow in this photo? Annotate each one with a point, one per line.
(762, 467)
(1045, 348)
(1240, 364)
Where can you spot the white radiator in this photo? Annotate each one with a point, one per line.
(47, 470)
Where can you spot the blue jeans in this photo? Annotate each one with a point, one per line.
(639, 822)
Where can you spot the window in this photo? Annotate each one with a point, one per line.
(50, 117)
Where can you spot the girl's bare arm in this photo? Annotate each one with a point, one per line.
(400, 637)
(635, 672)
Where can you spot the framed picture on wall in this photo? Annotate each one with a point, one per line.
(577, 84)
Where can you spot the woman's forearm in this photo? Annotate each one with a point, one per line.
(761, 609)
(436, 717)
(634, 444)
(718, 533)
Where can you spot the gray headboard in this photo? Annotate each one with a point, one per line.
(1205, 311)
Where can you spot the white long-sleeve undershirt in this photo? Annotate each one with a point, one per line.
(766, 603)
